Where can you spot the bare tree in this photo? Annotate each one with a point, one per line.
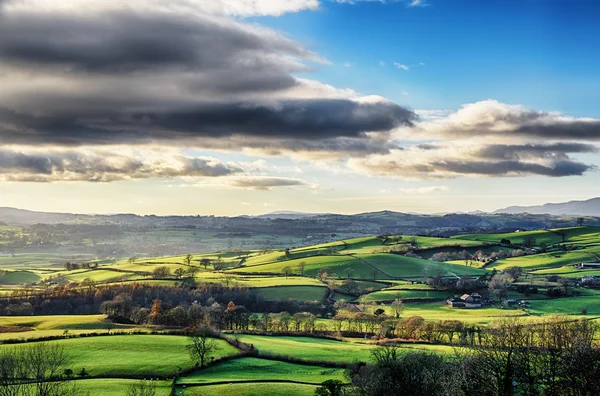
(201, 346)
(301, 267)
(188, 259)
(397, 307)
(142, 388)
(40, 370)
(286, 271)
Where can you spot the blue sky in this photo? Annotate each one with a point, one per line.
(538, 53)
(234, 107)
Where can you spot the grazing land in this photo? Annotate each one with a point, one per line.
(289, 319)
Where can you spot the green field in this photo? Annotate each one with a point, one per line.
(389, 295)
(310, 348)
(401, 267)
(118, 387)
(252, 389)
(131, 354)
(254, 369)
(548, 260)
(18, 277)
(301, 293)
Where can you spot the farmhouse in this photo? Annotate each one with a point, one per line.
(588, 265)
(472, 300)
(456, 303)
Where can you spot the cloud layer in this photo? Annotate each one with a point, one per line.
(79, 77)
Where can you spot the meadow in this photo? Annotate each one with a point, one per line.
(365, 275)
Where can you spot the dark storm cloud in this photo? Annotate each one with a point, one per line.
(573, 129)
(506, 168)
(556, 150)
(102, 167)
(295, 119)
(130, 42)
(130, 78)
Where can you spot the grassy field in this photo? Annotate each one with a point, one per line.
(252, 389)
(396, 266)
(131, 354)
(259, 370)
(301, 293)
(579, 235)
(389, 295)
(548, 260)
(118, 387)
(310, 348)
(18, 277)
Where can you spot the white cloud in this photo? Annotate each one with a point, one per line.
(240, 8)
(423, 190)
(417, 3)
(382, 64)
(401, 66)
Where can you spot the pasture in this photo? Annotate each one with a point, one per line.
(123, 355)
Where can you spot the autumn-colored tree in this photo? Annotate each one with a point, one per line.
(155, 311)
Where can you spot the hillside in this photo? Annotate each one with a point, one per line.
(590, 207)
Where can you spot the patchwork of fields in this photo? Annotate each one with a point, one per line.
(371, 275)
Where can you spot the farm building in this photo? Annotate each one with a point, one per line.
(588, 265)
(456, 303)
(473, 300)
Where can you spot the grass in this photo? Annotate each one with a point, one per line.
(53, 322)
(18, 277)
(307, 348)
(254, 389)
(131, 354)
(389, 295)
(439, 310)
(403, 267)
(301, 293)
(118, 387)
(580, 235)
(566, 306)
(546, 260)
(259, 370)
(336, 263)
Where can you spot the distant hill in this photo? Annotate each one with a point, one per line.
(288, 214)
(590, 207)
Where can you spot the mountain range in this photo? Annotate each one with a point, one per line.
(590, 207)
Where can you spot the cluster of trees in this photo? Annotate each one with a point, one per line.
(553, 357)
(413, 328)
(479, 255)
(121, 300)
(41, 369)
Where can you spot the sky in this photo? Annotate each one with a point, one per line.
(231, 107)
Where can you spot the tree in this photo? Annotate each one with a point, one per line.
(192, 272)
(374, 273)
(142, 388)
(205, 262)
(155, 312)
(580, 221)
(201, 346)
(349, 271)
(161, 272)
(529, 241)
(287, 271)
(132, 260)
(42, 362)
(397, 307)
(301, 267)
(330, 388)
(179, 272)
(188, 260)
